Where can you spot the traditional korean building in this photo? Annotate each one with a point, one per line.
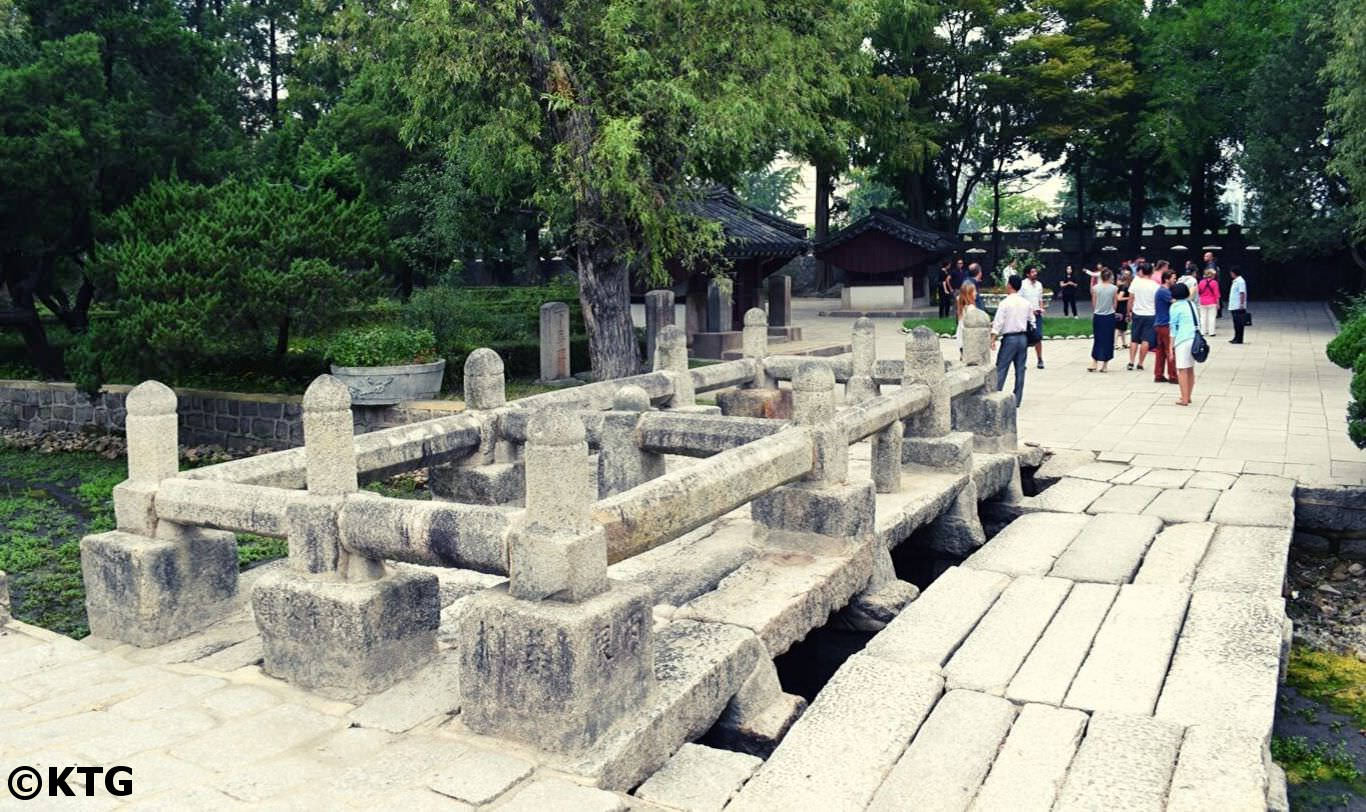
(886, 261)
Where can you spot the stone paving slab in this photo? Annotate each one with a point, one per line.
(1099, 471)
(1125, 762)
(946, 762)
(1030, 544)
(994, 650)
(1245, 559)
(1183, 505)
(931, 628)
(1127, 664)
(1130, 499)
(1253, 507)
(1165, 478)
(807, 772)
(699, 778)
(1219, 768)
(1067, 495)
(1032, 764)
(1108, 549)
(1175, 554)
(1048, 671)
(1226, 664)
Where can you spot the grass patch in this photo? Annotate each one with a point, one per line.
(1059, 326)
(1307, 763)
(1335, 680)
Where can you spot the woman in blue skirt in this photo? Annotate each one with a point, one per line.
(1103, 321)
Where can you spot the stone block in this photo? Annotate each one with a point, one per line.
(1048, 671)
(1029, 545)
(1249, 506)
(1108, 549)
(840, 511)
(774, 404)
(311, 527)
(1067, 495)
(998, 645)
(932, 627)
(871, 708)
(1061, 462)
(553, 674)
(699, 778)
(1182, 505)
(1245, 559)
(149, 591)
(346, 638)
(479, 776)
(714, 345)
(945, 764)
(434, 691)
(554, 338)
(951, 452)
(779, 300)
(1128, 661)
(134, 507)
(1125, 762)
(567, 566)
(1174, 554)
(1126, 499)
(1099, 471)
(499, 483)
(1226, 664)
(1211, 480)
(1032, 765)
(1218, 768)
(559, 794)
(1164, 478)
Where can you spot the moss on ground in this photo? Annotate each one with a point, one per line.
(1336, 680)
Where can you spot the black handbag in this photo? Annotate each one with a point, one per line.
(1199, 347)
(1247, 318)
(1032, 334)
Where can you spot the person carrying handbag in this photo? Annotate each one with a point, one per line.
(1185, 337)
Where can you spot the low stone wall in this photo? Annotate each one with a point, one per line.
(230, 419)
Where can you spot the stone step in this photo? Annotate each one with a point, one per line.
(1029, 545)
(1053, 662)
(836, 756)
(1125, 762)
(1219, 768)
(1124, 670)
(1108, 549)
(1245, 559)
(950, 755)
(1183, 505)
(994, 650)
(1175, 554)
(930, 629)
(1226, 664)
(1067, 495)
(1032, 764)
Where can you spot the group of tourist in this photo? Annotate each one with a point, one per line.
(1145, 308)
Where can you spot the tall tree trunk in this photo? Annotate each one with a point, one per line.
(282, 338)
(20, 279)
(913, 197)
(605, 297)
(1199, 213)
(274, 74)
(1080, 180)
(825, 183)
(532, 252)
(1138, 203)
(995, 221)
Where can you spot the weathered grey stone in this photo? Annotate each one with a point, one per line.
(1099, 471)
(872, 707)
(1248, 506)
(872, 609)
(329, 439)
(1124, 670)
(1183, 505)
(1265, 483)
(1277, 792)
(1029, 545)
(1053, 661)
(1211, 480)
(759, 714)
(1126, 499)
(1032, 764)
(692, 564)
(135, 508)
(499, 483)
(152, 432)
(947, 761)
(1226, 664)
(998, 645)
(554, 674)
(480, 776)
(1219, 768)
(1250, 560)
(1174, 554)
(719, 306)
(1131, 476)
(622, 463)
(346, 638)
(976, 338)
(699, 778)
(841, 511)
(1108, 549)
(1125, 762)
(554, 337)
(990, 416)
(151, 591)
(659, 312)
(950, 452)
(434, 691)
(557, 793)
(754, 342)
(1067, 495)
(772, 404)
(885, 465)
(933, 626)
(484, 385)
(1164, 478)
(1059, 462)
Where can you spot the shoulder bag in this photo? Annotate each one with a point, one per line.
(1199, 347)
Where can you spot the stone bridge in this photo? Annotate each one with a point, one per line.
(588, 613)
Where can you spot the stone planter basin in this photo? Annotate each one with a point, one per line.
(991, 301)
(385, 386)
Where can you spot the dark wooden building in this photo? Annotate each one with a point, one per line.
(882, 249)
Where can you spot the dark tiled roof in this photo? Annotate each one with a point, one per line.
(890, 224)
(750, 232)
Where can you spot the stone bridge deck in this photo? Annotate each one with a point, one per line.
(1116, 646)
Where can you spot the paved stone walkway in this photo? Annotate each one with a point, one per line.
(1275, 405)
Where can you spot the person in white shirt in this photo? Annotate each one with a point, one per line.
(1237, 303)
(1014, 317)
(1143, 306)
(1032, 292)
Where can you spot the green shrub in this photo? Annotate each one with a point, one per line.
(382, 345)
(1350, 342)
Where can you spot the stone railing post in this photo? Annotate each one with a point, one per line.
(149, 581)
(925, 365)
(555, 341)
(976, 338)
(780, 300)
(754, 341)
(622, 463)
(337, 620)
(813, 406)
(719, 319)
(659, 313)
(671, 356)
(489, 475)
(861, 386)
(559, 653)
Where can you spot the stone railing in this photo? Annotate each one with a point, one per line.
(560, 654)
